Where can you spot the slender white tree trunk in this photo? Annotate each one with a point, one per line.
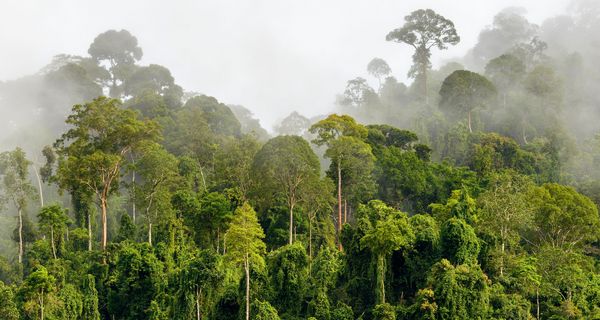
(150, 233)
(339, 172)
(89, 223)
(104, 205)
(247, 269)
(39, 181)
(198, 316)
(20, 235)
(469, 122)
(42, 305)
(52, 240)
(291, 222)
(133, 209)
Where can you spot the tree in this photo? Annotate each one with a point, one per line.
(288, 269)
(390, 231)
(423, 30)
(93, 152)
(505, 210)
(159, 172)
(264, 311)
(14, 171)
(245, 245)
(379, 69)
(460, 292)
(199, 278)
(37, 287)
(136, 281)
(463, 91)
(154, 79)
(286, 165)
(233, 164)
(357, 94)
(505, 71)
(8, 307)
(89, 310)
(53, 219)
(459, 242)
(563, 218)
(293, 124)
(349, 150)
(120, 50)
(219, 117)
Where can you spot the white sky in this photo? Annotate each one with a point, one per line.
(270, 56)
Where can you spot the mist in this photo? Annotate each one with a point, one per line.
(273, 57)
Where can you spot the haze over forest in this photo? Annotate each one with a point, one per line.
(304, 51)
(300, 160)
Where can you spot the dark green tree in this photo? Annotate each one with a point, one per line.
(464, 91)
(286, 165)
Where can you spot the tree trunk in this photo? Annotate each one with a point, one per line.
(42, 305)
(291, 222)
(52, 240)
(345, 210)
(502, 259)
(469, 122)
(198, 304)
(150, 233)
(39, 181)
(381, 271)
(218, 239)
(309, 246)
(103, 205)
(89, 220)
(133, 196)
(537, 301)
(20, 235)
(339, 173)
(247, 269)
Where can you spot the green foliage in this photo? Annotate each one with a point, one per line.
(134, 264)
(89, 308)
(500, 225)
(464, 91)
(342, 311)
(388, 230)
(460, 205)
(563, 218)
(459, 243)
(384, 311)
(262, 310)
(288, 268)
(218, 116)
(8, 306)
(460, 292)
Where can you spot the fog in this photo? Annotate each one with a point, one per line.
(272, 57)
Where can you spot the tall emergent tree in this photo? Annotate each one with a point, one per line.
(346, 148)
(93, 152)
(245, 244)
(423, 30)
(119, 49)
(286, 165)
(14, 171)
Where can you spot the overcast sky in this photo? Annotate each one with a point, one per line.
(270, 56)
